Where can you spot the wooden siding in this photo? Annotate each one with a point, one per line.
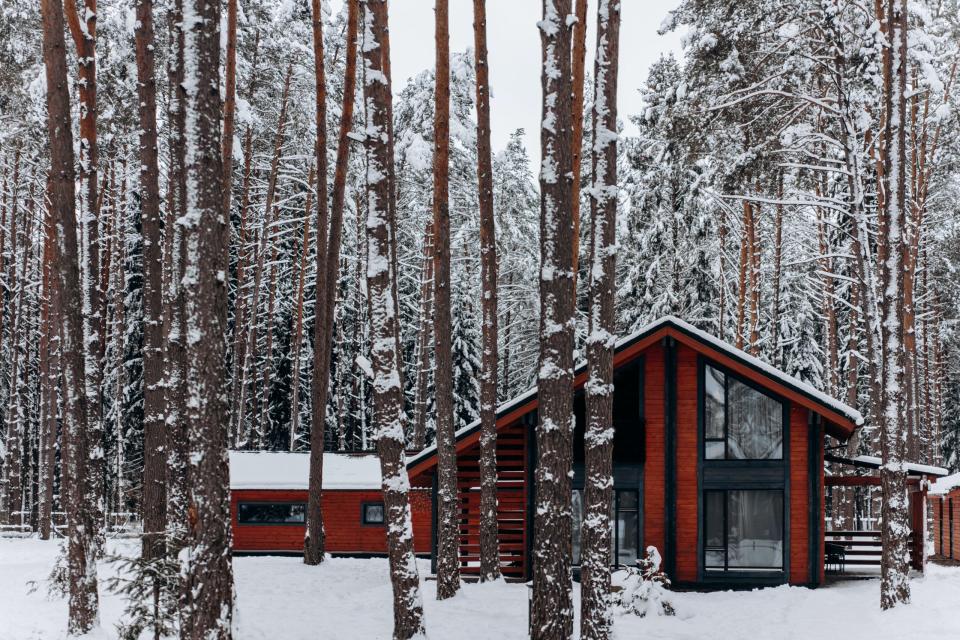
(688, 487)
(342, 521)
(799, 495)
(940, 510)
(654, 489)
(512, 483)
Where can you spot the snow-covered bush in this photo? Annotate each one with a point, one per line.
(643, 590)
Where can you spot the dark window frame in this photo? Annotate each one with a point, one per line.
(726, 570)
(614, 524)
(727, 376)
(372, 523)
(272, 523)
(740, 474)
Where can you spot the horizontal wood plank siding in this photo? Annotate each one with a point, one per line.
(654, 491)
(687, 451)
(799, 434)
(342, 520)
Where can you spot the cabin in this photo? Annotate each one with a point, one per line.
(268, 504)
(944, 503)
(718, 462)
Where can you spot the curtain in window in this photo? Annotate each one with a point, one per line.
(755, 424)
(755, 529)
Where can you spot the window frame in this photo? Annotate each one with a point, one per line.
(614, 525)
(752, 571)
(364, 521)
(727, 375)
(272, 523)
(741, 474)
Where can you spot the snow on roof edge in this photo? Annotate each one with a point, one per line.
(285, 470)
(945, 484)
(915, 467)
(715, 342)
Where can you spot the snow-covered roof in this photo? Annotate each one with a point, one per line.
(713, 342)
(912, 467)
(945, 484)
(285, 470)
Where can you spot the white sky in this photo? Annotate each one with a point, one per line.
(513, 41)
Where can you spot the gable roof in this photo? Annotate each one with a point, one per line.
(291, 471)
(842, 420)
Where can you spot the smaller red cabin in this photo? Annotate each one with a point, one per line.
(944, 504)
(268, 504)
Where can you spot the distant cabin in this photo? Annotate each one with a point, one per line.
(268, 504)
(718, 462)
(944, 503)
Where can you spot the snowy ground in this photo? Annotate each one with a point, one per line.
(350, 599)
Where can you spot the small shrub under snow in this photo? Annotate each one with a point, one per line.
(643, 590)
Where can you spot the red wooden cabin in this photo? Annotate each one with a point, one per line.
(268, 501)
(944, 503)
(718, 462)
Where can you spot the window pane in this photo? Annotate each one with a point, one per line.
(628, 500)
(715, 450)
(373, 514)
(269, 513)
(755, 529)
(713, 403)
(713, 530)
(755, 424)
(628, 524)
(577, 504)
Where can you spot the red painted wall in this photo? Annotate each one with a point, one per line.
(654, 491)
(799, 496)
(940, 509)
(341, 519)
(687, 453)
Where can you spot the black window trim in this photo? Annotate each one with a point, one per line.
(726, 571)
(363, 514)
(615, 546)
(272, 523)
(744, 475)
(727, 374)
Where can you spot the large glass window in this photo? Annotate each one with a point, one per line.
(740, 422)
(743, 530)
(625, 534)
(271, 513)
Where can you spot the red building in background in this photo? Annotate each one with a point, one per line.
(268, 502)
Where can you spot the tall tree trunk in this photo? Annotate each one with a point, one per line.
(269, 219)
(552, 608)
(489, 544)
(49, 382)
(229, 103)
(328, 267)
(84, 32)
(595, 617)
(424, 334)
(298, 326)
(387, 386)
(754, 250)
(775, 349)
(578, 62)
(154, 428)
(448, 508)
(894, 586)
(742, 281)
(208, 581)
(82, 523)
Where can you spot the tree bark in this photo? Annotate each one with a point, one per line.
(448, 530)
(82, 523)
(387, 385)
(328, 268)
(894, 586)
(578, 63)
(424, 335)
(595, 618)
(552, 608)
(298, 325)
(154, 428)
(229, 103)
(489, 544)
(207, 589)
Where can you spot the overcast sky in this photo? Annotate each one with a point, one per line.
(513, 41)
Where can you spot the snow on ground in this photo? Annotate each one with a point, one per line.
(349, 599)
